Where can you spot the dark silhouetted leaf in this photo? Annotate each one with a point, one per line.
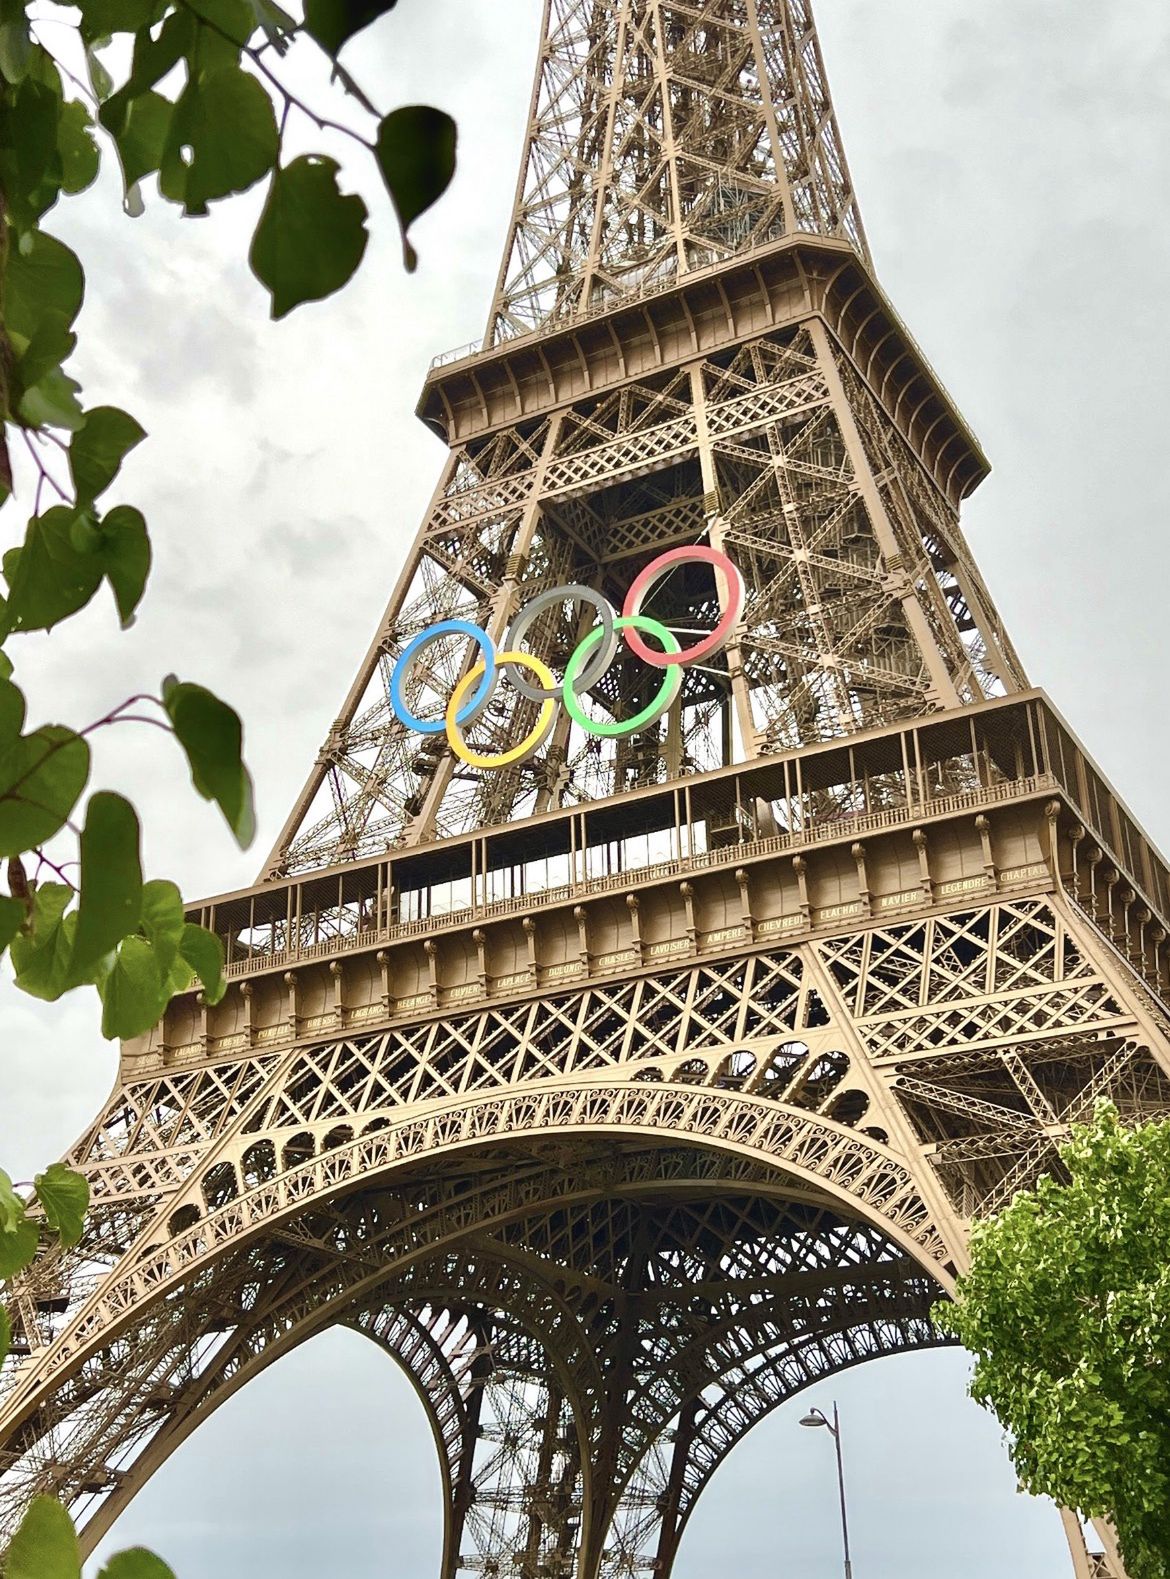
(101, 18)
(333, 22)
(310, 238)
(141, 135)
(277, 24)
(15, 41)
(221, 140)
(416, 155)
(230, 22)
(30, 165)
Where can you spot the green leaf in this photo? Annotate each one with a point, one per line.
(132, 990)
(64, 1195)
(52, 403)
(11, 714)
(42, 956)
(310, 238)
(51, 343)
(41, 777)
(203, 951)
(101, 18)
(5, 1335)
(221, 140)
(141, 135)
(163, 920)
(49, 578)
(80, 160)
(100, 80)
(12, 915)
(15, 41)
(18, 1233)
(152, 59)
(17, 1249)
(415, 150)
(111, 878)
(45, 1545)
(137, 1563)
(30, 165)
(11, 1205)
(277, 24)
(123, 552)
(42, 276)
(333, 22)
(96, 452)
(211, 734)
(68, 550)
(233, 20)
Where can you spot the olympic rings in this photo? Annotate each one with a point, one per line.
(667, 691)
(531, 742)
(649, 578)
(586, 666)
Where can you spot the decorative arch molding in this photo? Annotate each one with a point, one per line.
(351, 1243)
(866, 1178)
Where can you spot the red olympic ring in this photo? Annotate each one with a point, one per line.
(648, 578)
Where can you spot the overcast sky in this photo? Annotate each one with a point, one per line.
(1012, 159)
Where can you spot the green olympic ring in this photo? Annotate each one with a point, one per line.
(666, 694)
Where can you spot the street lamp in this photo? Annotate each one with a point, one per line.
(816, 1418)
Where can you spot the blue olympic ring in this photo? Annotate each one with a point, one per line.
(436, 726)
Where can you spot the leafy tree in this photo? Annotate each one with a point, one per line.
(196, 93)
(1067, 1311)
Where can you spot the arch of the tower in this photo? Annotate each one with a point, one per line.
(591, 1293)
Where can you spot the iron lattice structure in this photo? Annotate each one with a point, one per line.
(622, 1093)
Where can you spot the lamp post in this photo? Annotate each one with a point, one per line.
(816, 1418)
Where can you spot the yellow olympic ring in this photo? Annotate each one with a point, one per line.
(531, 742)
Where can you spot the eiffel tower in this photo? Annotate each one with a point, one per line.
(620, 1080)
